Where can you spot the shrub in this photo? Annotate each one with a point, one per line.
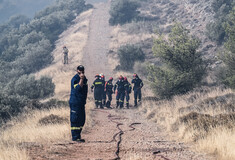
(123, 11)
(33, 89)
(216, 30)
(128, 55)
(183, 67)
(228, 74)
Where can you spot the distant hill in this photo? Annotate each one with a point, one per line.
(9, 8)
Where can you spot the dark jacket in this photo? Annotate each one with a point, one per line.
(127, 86)
(138, 84)
(119, 86)
(78, 94)
(109, 87)
(98, 84)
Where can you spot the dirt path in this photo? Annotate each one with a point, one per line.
(116, 134)
(95, 53)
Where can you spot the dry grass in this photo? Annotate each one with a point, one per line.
(204, 116)
(29, 127)
(75, 38)
(221, 142)
(29, 130)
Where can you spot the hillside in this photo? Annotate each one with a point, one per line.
(198, 125)
(160, 16)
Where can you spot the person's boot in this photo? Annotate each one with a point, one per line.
(96, 105)
(104, 102)
(127, 105)
(117, 104)
(135, 103)
(101, 106)
(108, 104)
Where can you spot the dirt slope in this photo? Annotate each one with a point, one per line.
(116, 134)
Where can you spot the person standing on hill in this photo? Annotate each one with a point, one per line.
(120, 95)
(138, 84)
(65, 52)
(109, 91)
(128, 89)
(78, 96)
(98, 86)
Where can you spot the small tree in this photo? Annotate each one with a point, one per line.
(183, 67)
(128, 55)
(123, 11)
(228, 57)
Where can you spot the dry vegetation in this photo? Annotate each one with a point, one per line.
(39, 127)
(205, 116)
(75, 39)
(47, 126)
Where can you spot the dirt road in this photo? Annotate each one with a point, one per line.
(116, 134)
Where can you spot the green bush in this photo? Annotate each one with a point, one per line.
(31, 88)
(227, 76)
(11, 105)
(123, 11)
(25, 48)
(216, 30)
(182, 68)
(128, 55)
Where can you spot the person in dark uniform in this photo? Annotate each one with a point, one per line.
(109, 91)
(104, 92)
(98, 86)
(120, 95)
(128, 89)
(78, 96)
(138, 84)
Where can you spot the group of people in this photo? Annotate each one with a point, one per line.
(122, 89)
(79, 91)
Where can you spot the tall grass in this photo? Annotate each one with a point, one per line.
(27, 129)
(202, 117)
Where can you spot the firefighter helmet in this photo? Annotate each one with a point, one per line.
(120, 77)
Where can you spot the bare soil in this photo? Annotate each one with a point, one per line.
(116, 134)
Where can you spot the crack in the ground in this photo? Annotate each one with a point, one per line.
(119, 134)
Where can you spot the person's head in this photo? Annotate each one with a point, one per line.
(80, 69)
(120, 77)
(111, 79)
(97, 76)
(102, 77)
(64, 46)
(125, 79)
(135, 76)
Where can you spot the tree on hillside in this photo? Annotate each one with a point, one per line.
(123, 11)
(216, 29)
(182, 66)
(128, 55)
(228, 57)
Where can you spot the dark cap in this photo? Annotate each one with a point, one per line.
(80, 68)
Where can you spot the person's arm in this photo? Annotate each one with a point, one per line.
(115, 86)
(133, 81)
(82, 77)
(141, 84)
(86, 90)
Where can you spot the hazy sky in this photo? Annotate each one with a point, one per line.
(9, 8)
